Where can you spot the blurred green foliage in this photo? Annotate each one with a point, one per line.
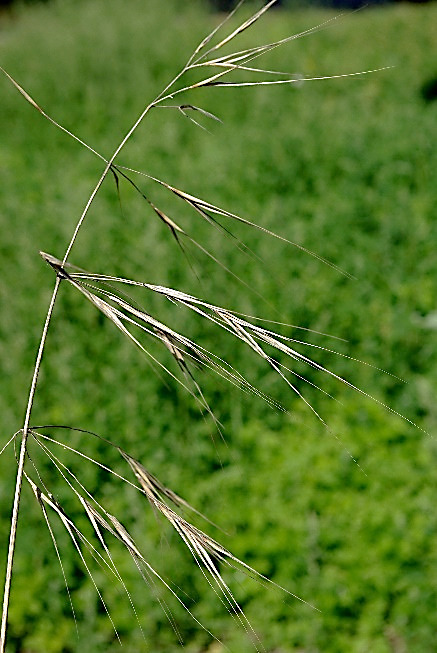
(344, 518)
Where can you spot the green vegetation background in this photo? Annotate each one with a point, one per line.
(346, 168)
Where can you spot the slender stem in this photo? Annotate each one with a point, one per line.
(20, 469)
(22, 457)
(102, 178)
(30, 402)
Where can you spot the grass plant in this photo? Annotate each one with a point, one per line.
(152, 316)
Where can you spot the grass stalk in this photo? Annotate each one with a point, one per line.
(20, 468)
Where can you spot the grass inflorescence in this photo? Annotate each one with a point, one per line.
(63, 463)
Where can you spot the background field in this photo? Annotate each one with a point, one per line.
(346, 168)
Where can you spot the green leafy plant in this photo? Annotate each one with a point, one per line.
(90, 526)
